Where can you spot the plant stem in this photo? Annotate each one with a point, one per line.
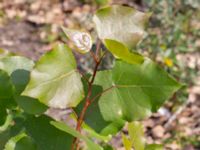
(104, 91)
(87, 101)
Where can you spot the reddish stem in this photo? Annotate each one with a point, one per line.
(87, 101)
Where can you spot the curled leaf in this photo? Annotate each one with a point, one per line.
(82, 41)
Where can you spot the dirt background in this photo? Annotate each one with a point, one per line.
(32, 27)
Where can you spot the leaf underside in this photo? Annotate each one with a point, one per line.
(55, 80)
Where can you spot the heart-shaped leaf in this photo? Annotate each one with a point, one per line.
(55, 80)
(82, 41)
(134, 90)
(122, 24)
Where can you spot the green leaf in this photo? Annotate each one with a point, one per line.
(13, 63)
(3, 115)
(119, 50)
(6, 88)
(154, 147)
(45, 135)
(62, 126)
(82, 41)
(24, 143)
(122, 24)
(127, 143)
(136, 133)
(31, 105)
(134, 90)
(6, 95)
(4, 137)
(18, 68)
(55, 80)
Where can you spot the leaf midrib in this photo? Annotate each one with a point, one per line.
(55, 79)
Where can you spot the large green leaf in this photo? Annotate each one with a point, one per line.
(18, 68)
(136, 90)
(122, 24)
(90, 144)
(45, 135)
(55, 80)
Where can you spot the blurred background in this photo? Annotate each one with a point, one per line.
(32, 27)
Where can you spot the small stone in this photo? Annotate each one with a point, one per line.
(158, 131)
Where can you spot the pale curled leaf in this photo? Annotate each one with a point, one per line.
(54, 79)
(82, 41)
(122, 24)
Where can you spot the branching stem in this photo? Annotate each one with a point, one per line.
(87, 100)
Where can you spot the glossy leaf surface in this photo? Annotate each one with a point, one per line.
(55, 80)
(135, 90)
